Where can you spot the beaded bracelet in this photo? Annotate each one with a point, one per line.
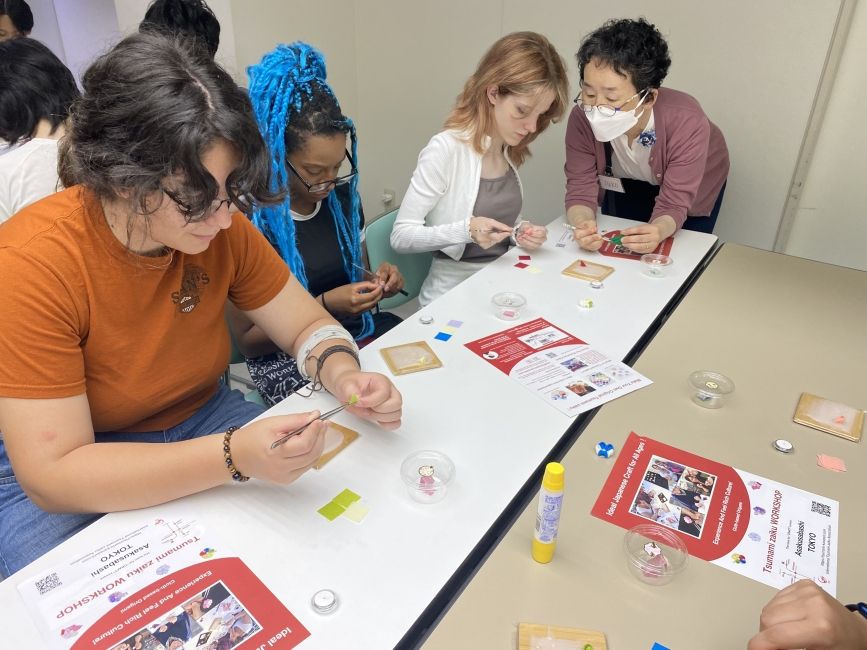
(227, 454)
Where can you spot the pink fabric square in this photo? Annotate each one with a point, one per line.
(831, 462)
(521, 265)
(523, 257)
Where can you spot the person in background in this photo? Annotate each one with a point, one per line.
(803, 615)
(185, 17)
(465, 197)
(36, 92)
(317, 229)
(16, 19)
(650, 153)
(112, 309)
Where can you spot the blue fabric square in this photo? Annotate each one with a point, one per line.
(442, 336)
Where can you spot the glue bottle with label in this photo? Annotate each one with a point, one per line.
(548, 515)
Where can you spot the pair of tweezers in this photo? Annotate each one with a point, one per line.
(325, 416)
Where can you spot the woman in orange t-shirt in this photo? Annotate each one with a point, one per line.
(112, 309)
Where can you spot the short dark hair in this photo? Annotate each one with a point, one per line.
(151, 106)
(633, 48)
(34, 85)
(185, 17)
(19, 13)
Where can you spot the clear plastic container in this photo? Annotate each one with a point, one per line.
(656, 265)
(710, 389)
(427, 475)
(508, 305)
(654, 554)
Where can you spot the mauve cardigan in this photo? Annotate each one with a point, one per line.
(689, 159)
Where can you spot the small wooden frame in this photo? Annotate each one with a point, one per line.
(831, 417)
(410, 357)
(584, 270)
(528, 632)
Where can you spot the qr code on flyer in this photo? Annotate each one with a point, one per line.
(49, 582)
(821, 508)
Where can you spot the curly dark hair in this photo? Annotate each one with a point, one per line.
(151, 107)
(319, 114)
(34, 86)
(633, 48)
(185, 17)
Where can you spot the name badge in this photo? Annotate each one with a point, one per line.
(611, 183)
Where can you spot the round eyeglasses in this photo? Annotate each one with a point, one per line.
(238, 203)
(606, 109)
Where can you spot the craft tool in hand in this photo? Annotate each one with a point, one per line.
(325, 416)
(366, 270)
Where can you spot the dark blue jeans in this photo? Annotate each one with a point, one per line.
(28, 532)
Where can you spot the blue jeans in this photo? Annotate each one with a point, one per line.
(28, 532)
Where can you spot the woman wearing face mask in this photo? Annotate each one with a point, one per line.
(642, 152)
(464, 200)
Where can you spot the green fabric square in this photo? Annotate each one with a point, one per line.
(331, 510)
(345, 498)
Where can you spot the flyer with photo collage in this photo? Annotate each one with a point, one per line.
(773, 533)
(560, 368)
(164, 584)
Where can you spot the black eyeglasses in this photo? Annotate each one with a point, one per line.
(315, 188)
(239, 202)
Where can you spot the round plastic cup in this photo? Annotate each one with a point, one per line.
(427, 475)
(710, 389)
(654, 554)
(508, 305)
(655, 265)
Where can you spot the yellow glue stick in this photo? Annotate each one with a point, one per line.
(548, 515)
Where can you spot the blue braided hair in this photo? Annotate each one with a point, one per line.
(292, 101)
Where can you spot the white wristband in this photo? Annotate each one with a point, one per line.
(322, 334)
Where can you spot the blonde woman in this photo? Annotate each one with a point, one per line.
(465, 197)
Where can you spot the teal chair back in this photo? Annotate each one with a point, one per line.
(413, 266)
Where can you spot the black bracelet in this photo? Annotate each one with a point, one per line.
(322, 300)
(316, 383)
(227, 454)
(861, 608)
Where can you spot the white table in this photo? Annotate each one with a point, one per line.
(396, 570)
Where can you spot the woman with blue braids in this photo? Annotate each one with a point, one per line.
(317, 229)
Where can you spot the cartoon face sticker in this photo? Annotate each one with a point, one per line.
(755, 485)
(69, 632)
(759, 510)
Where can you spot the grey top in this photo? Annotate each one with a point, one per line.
(500, 199)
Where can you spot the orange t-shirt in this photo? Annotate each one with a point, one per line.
(144, 337)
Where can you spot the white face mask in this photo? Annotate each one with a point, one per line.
(607, 127)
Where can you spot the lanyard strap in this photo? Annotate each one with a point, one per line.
(608, 151)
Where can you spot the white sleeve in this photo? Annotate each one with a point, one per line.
(35, 178)
(428, 186)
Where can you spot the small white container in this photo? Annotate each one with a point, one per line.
(508, 305)
(427, 475)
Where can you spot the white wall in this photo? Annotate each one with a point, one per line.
(831, 222)
(740, 59)
(88, 29)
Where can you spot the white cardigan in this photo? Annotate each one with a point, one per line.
(438, 205)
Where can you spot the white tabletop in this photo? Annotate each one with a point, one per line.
(389, 568)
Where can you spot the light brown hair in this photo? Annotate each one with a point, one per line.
(518, 64)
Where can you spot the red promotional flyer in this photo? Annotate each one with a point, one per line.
(764, 530)
(560, 368)
(614, 249)
(162, 585)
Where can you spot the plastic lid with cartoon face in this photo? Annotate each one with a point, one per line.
(427, 475)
